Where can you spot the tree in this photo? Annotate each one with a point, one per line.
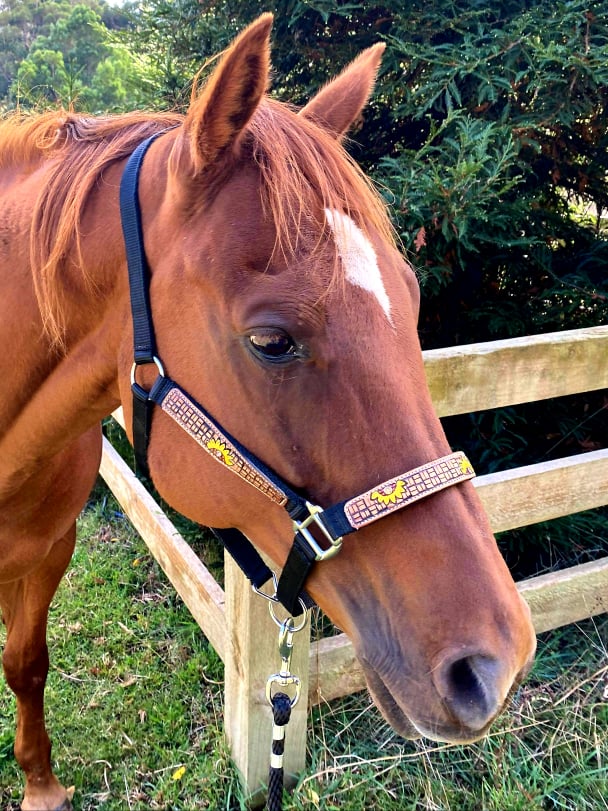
(78, 64)
(120, 82)
(506, 116)
(82, 32)
(43, 75)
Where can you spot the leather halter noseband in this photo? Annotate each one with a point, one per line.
(330, 524)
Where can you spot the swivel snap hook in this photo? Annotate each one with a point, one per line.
(285, 678)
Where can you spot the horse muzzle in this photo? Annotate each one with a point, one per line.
(462, 694)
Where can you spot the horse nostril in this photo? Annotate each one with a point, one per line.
(470, 687)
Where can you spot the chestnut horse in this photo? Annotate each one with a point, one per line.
(280, 302)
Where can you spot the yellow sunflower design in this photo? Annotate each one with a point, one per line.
(389, 493)
(220, 450)
(466, 466)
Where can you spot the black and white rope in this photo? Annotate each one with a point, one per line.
(281, 713)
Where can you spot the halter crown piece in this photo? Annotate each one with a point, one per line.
(331, 523)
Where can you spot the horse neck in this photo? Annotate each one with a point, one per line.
(55, 395)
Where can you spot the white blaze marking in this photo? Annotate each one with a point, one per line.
(358, 257)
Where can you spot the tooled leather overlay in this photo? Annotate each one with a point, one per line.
(396, 493)
(185, 413)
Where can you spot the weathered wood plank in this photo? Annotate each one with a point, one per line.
(193, 582)
(251, 656)
(571, 595)
(555, 599)
(119, 416)
(519, 370)
(334, 670)
(527, 495)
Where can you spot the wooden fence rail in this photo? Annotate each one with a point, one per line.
(461, 379)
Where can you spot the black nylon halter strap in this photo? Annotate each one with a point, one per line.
(144, 342)
(318, 532)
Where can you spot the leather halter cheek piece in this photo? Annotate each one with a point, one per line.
(330, 524)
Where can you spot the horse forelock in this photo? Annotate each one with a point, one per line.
(305, 171)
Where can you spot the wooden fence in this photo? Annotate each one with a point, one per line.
(462, 379)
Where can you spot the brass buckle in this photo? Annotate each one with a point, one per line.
(335, 544)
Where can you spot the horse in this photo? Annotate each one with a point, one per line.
(280, 301)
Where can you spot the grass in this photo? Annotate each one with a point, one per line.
(134, 706)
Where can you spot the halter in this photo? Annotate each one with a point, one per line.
(330, 524)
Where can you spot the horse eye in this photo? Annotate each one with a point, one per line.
(273, 345)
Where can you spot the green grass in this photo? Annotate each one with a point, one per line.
(135, 693)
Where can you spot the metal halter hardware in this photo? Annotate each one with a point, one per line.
(314, 517)
(285, 678)
(332, 523)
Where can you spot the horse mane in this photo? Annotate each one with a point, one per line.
(78, 148)
(301, 165)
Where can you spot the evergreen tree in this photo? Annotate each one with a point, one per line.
(51, 52)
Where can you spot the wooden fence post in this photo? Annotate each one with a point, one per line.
(251, 656)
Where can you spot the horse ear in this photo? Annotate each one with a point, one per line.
(337, 106)
(219, 114)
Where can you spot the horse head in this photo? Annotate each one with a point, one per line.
(281, 303)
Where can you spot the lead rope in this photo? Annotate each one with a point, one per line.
(281, 713)
(282, 705)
